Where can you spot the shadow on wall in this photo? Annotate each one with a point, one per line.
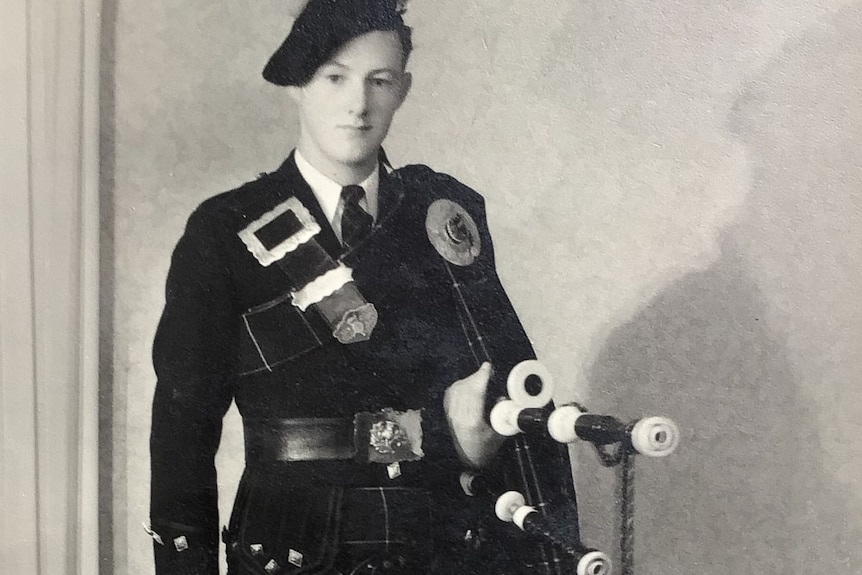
(745, 491)
(756, 357)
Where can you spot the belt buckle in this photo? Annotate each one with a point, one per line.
(389, 436)
(291, 225)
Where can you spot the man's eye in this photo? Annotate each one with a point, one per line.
(381, 82)
(335, 78)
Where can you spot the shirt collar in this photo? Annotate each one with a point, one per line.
(328, 191)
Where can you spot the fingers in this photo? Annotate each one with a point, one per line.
(464, 400)
(481, 377)
(474, 384)
(464, 405)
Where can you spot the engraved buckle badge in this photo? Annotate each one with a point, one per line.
(356, 324)
(390, 436)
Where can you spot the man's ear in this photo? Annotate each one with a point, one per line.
(406, 84)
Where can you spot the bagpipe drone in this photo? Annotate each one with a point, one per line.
(529, 412)
(525, 490)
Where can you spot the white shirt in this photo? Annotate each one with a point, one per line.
(328, 192)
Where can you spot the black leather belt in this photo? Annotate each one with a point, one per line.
(386, 436)
(302, 439)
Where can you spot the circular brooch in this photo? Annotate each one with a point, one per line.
(453, 232)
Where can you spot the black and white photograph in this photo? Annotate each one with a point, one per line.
(430, 287)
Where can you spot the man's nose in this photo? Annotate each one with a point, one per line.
(359, 96)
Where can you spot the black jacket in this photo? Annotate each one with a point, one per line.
(229, 333)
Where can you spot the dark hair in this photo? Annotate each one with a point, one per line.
(405, 37)
(324, 27)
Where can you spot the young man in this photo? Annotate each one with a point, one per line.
(353, 312)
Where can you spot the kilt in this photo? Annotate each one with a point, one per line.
(281, 527)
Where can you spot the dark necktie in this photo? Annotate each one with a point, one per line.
(355, 222)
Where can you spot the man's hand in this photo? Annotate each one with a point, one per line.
(464, 404)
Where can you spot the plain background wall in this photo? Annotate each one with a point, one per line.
(674, 189)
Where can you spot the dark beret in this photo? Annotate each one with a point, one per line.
(323, 27)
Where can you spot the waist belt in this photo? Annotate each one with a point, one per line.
(305, 439)
(385, 436)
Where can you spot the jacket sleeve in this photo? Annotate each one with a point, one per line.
(192, 356)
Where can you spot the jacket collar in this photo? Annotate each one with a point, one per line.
(389, 197)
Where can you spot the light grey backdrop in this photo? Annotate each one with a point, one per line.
(674, 190)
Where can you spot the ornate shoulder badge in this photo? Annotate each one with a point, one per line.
(285, 236)
(453, 232)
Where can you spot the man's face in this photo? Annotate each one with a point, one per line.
(346, 108)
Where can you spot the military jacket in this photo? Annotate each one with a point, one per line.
(229, 332)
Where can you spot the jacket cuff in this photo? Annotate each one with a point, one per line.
(181, 550)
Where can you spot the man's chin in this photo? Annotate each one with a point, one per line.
(360, 157)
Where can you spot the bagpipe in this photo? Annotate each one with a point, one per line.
(524, 491)
(529, 415)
